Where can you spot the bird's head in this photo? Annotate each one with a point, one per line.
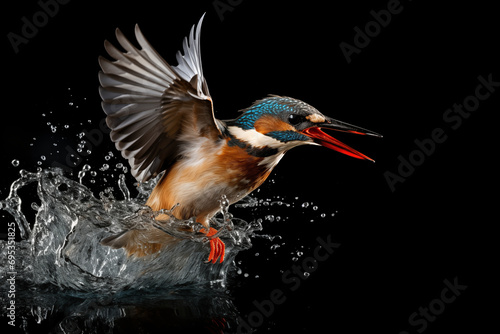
(281, 123)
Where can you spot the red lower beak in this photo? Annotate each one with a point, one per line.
(325, 140)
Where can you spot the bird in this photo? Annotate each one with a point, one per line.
(162, 119)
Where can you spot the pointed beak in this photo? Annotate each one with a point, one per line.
(317, 134)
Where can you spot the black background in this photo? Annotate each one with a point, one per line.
(397, 247)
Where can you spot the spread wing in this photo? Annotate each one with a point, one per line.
(150, 104)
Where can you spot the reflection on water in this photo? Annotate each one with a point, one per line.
(166, 311)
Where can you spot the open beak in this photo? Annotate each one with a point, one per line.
(320, 137)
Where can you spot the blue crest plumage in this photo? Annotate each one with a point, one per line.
(269, 106)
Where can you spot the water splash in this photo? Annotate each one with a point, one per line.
(63, 248)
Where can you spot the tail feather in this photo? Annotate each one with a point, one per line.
(137, 243)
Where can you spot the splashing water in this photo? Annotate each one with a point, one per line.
(101, 285)
(63, 248)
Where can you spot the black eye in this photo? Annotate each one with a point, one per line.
(295, 119)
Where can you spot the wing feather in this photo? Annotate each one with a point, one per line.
(149, 103)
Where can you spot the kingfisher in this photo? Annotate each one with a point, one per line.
(162, 120)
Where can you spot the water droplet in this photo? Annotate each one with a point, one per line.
(224, 202)
(81, 174)
(66, 126)
(53, 128)
(93, 173)
(315, 207)
(123, 187)
(119, 165)
(323, 215)
(107, 157)
(305, 204)
(71, 103)
(43, 157)
(306, 274)
(15, 163)
(86, 168)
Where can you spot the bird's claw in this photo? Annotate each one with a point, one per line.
(217, 247)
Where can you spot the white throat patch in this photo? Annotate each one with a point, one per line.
(255, 138)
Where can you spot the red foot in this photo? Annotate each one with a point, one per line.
(217, 247)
